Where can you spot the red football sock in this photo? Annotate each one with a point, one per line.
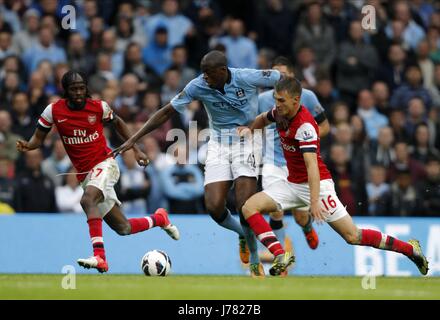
(265, 234)
(95, 230)
(383, 241)
(145, 223)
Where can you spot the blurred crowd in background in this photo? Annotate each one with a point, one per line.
(380, 88)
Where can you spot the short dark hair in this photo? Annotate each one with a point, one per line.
(72, 76)
(283, 61)
(289, 84)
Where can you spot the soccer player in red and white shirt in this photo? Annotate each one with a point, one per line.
(80, 121)
(309, 184)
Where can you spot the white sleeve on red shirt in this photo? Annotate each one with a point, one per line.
(107, 114)
(46, 118)
(307, 137)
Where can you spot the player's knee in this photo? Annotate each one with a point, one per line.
(249, 208)
(215, 209)
(87, 201)
(351, 238)
(301, 217)
(277, 215)
(123, 229)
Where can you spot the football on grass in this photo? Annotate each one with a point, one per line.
(156, 263)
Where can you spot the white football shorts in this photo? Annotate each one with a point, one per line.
(289, 195)
(104, 176)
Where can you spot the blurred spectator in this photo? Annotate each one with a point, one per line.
(159, 161)
(397, 124)
(425, 63)
(433, 38)
(27, 36)
(171, 86)
(339, 113)
(126, 33)
(326, 93)
(382, 151)
(403, 161)
(178, 25)
(402, 198)
(157, 53)
(412, 88)
(77, 56)
(6, 47)
(276, 25)
(133, 64)
(349, 185)
(86, 11)
(44, 48)
(127, 104)
(99, 80)
(57, 163)
(422, 150)
(265, 58)
(179, 59)
(7, 138)
(35, 191)
(134, 186)
(372, 118)
(429, 189)
(96, 29)
(416, 114)
(412, 32)
(108, 43)
(434, 90)
(37, 96)
(7, 182)
(315, 32)
(12, 64)
(9, 87)
(183, 184)
(69, 193)
(307, 67)
(357, 62)
(392, 72)
(150, 104)
(22, 120)
(241, 51)
(376, 188)
(340, 14)
(381, 96)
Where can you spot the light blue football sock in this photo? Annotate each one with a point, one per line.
(251, 241)
(227, 221)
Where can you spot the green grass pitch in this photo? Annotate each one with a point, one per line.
(177, 287)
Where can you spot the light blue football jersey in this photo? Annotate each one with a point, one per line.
(272, 152)
(238, 106)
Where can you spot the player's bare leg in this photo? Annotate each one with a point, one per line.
(215, 202)
(245, 187)
(304, 219)
(366, 237)
(89, 202)
(252, 209)
(116, 220)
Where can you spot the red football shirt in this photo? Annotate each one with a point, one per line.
(301, 136)
(81, 132)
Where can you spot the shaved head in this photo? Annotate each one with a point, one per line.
(213, 59)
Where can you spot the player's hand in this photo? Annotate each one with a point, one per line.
(141, 158)
(22, 145)
(244, 131)
(318, 212)
(127, 145)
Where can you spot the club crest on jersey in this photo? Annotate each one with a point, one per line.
(240, 93)
(92, 118)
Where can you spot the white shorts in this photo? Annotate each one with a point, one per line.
(227, 162)
(104, 176)
(272, 174)
(289, 195)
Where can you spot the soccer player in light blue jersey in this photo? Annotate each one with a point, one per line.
(274, 163)
(230, 97)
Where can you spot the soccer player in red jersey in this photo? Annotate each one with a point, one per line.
(80, 121)
(309, 184)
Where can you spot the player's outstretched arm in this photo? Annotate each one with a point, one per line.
(311, 160)
(156, 120)
(35, 142)
(124, 133)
